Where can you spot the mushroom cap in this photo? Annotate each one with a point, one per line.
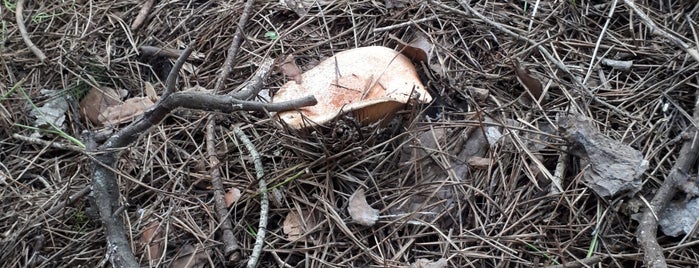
(374, 82)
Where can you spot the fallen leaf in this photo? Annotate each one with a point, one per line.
(531, 84)
(295, 227)
(479, 162)
(614, 167)
(425, 263)
(231, 196)
(150, 91)
(289, 69)
(96, 101)
(189, 257)
(151, 236)
(418, 49)
(52, 112)
(130, 109)
(360, 210)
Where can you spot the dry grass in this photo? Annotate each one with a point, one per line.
(503, 216)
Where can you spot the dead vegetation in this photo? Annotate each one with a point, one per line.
(481, 177)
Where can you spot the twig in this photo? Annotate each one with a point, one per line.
(142, 14)
(264, 202)
(60, 205)
(404, 24)
(230, 243)
(165, 52)
(105, 187)
(648, 226)
(57, 145)
(692, 51)
(25, 35)
(235, 45)
(172, 77)
(579, 263)
(255, 84)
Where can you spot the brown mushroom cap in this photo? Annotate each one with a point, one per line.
(372, 81)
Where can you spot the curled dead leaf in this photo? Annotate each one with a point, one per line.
(126, 111)
(151, 236)
(295, 226)
(231, 196)
(289, 69)
(374, 82)
(531, 84)
(360, 210)
(479, 162)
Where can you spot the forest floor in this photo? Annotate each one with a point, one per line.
(557, 134)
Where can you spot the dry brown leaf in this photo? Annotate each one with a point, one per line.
(150, 91)
(126, 111)
(418, 49)
(425, 263)
(96, 101)
(295, 227)
(189, 257)
(531, 84)
(151, 236)
(289, 69)
(479, 162)
(360, 210)
(231, 196)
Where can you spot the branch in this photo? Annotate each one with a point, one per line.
(142, 15)
(23, 31)
(104, 184)
(648, 226)
(230, 243)
(172, 76)
(235, 45)
(264, 201)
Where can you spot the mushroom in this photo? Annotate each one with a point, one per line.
(374, 82)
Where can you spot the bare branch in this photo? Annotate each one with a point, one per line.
(25, 35)
(648, 226)
(264, 199)
(235, 45)
(142, 14)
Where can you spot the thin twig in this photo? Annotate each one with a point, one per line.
(404, 24)
(648, 226)
(692, 51)
(142, 14)
(172, 77)
(25, 35)
(264, 201)
(230, 243)
(235, 45)
(105, 187)
(57, 145)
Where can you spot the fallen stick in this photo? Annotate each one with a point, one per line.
(648, 225)
(25, 35)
